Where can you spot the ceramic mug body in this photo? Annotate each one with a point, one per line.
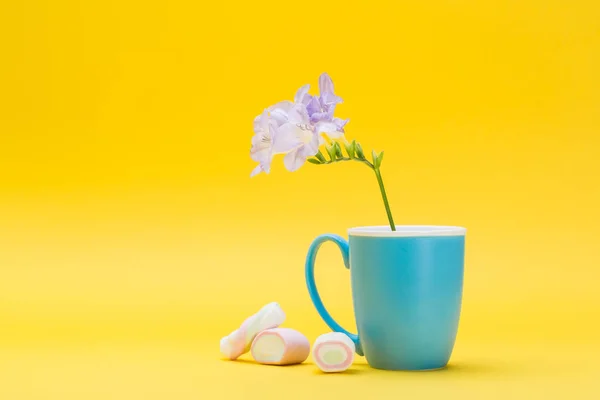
(406, 289)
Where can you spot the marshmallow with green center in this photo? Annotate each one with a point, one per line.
(333, 352)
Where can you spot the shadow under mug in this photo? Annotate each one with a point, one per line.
(406, 290)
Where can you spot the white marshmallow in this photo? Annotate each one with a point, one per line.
(280, 346)
(333, 352)
(239, 341)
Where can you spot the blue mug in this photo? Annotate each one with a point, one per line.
(406, 290)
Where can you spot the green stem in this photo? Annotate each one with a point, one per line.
(379, 180)
(385, 200)
(366, 162)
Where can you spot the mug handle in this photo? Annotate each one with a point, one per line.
(312, 287)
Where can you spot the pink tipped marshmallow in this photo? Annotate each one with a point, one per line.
(280, 346)
(239, 341)
(333, 352)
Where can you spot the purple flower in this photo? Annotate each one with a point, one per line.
(295, 128)
(269, 140)
(283, 128)
(321, 108)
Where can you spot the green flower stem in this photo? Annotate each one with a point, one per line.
(379, 181)
(366, 162)
(385, 200)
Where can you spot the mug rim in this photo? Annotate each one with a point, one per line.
(407, 231)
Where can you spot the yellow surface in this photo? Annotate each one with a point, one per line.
(132, 239)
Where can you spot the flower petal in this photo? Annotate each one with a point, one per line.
(331, 99)
(298, 115)
(279, 111)
(314, 106)
(329, 128)
(301, 94)
(307, 99)
(325, 112)
(285, 105)
(340, 123)
(260, 151)
(262, 142)
(260, 122)
(318, 117)
(294, 160)
(325, 84)
(261, 167)
(326, 90)
(257, 170)
(287, 138)
(279, 116)
(312, 147)
(256, 124)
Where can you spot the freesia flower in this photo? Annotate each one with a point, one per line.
(283, 128)
(269, 141)
(295, 123)
(298, 126)
(321, 108)
(295, 128)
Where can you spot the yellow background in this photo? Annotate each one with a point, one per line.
(132, 238)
